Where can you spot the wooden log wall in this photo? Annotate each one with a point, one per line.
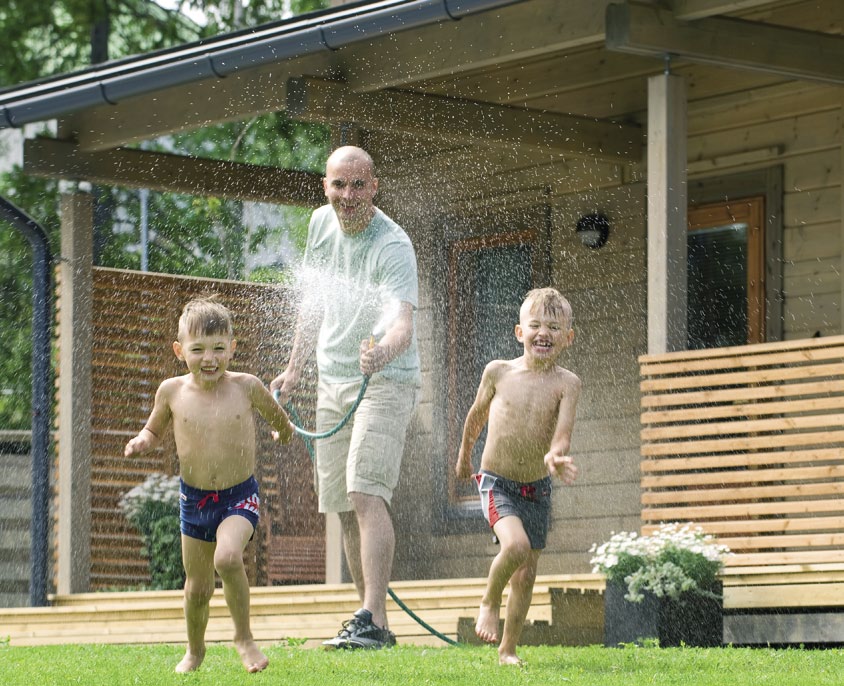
(135, 316)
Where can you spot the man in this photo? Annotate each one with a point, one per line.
(361, 292)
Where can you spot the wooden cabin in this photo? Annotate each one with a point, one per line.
(704, 136)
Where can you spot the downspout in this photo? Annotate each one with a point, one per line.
(41, 312)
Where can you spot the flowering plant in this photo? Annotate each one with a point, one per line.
(153, 509)
(673, 560)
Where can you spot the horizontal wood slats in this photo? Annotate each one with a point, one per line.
(135, 317)
(309, 612)
(748, 442)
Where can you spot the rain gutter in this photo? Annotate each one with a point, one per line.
(41, 317)
(115, 83)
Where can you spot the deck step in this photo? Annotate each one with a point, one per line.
(310, 613)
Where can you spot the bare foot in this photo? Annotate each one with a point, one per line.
(510, 659)
(252, 657)
(190, 662)
(487, 625)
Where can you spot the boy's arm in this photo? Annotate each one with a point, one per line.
(557, 459)
(263, 401)
(150, 436)
(475, 421)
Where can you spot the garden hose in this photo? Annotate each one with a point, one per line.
(309, 437)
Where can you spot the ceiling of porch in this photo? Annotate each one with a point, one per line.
(530, 89)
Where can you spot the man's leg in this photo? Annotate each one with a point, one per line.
(377, 546)
(232, 536)
(351, 547)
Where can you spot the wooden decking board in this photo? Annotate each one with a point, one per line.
(785, 629)
(312, 612)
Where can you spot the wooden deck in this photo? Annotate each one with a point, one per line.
(310, 612)
(566, 610)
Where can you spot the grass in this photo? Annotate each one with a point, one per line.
(110, 665)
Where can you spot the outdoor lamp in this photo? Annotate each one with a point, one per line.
(593, 229)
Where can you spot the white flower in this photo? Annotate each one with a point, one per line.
(674, 559)
(156, 488)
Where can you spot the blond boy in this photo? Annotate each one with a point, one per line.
(211, 409)
(529, 405)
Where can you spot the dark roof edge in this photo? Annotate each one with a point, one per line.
(114, 83)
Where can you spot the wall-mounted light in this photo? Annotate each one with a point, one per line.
(593, 230)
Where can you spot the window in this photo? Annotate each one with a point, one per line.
(488, 278)
(726, 272)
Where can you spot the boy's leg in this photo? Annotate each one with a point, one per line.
(198, 560)
(518, 604)
(515, 551)
(233, 534)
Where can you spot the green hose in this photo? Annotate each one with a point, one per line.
(310, 436)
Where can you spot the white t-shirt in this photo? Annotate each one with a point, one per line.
(361, 281)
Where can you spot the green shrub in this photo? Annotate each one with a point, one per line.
(153, 509)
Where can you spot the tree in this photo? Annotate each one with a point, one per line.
(189, 235)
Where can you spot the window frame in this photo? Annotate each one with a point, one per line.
(750, 211)
(458, 506)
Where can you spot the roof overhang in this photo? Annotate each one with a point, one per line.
(427, 70)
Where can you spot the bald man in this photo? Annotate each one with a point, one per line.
(358, 310)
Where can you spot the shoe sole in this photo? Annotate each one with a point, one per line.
(335, 644)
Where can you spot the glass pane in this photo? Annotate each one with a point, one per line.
(717, 262)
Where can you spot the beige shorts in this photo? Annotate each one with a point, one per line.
(365, 455)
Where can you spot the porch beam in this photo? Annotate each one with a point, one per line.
(157, 171)
(639, 29)
(698, 9)
(462, 121)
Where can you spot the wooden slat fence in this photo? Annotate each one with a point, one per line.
(135, 317)
(747, 442)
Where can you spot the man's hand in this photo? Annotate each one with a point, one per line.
(373, 357)
(561, 466)
(283, 385)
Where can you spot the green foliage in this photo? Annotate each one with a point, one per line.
(189, 235)
(163, 546)
(153, 509)
(16, 296)
(225, 15)
(41, 38)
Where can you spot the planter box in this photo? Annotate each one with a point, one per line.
(694, 620)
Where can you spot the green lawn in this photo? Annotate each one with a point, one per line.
(404, 666)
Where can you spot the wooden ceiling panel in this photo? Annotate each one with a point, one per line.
(626, 100)
(558, 73)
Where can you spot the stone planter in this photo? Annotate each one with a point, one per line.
(693, 620)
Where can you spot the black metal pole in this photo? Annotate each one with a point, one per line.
(41, 317)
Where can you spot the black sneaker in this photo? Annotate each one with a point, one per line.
(360, 632)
